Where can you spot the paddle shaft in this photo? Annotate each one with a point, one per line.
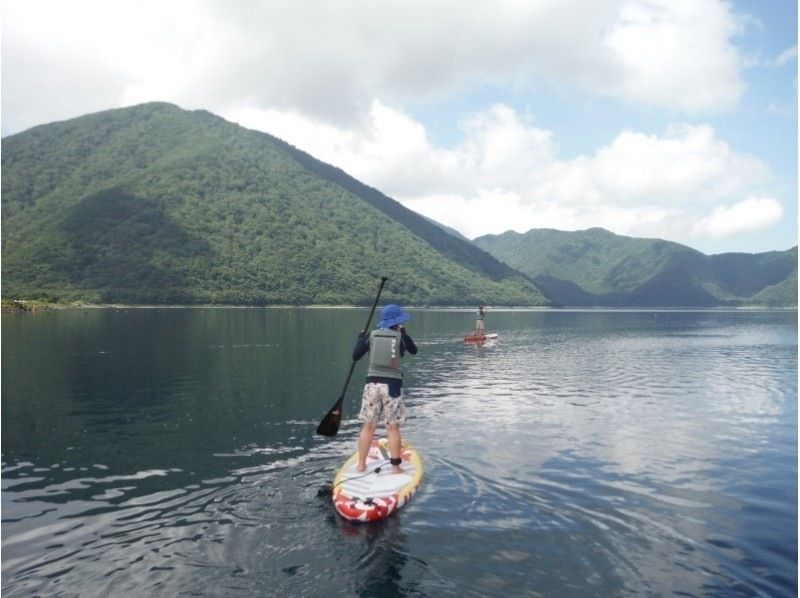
(329, 426)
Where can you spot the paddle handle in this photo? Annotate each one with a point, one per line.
(375, 304)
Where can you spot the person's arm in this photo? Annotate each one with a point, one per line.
(408, 342)
(362, 346)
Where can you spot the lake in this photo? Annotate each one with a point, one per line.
(583, 453)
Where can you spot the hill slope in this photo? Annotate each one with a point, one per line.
(595, 267)
(155, 204)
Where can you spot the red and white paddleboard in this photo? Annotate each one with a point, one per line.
(374, 495)
(479, 338)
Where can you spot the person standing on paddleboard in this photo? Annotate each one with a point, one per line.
(480, 323)
(382, 399)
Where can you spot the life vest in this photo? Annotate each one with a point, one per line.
(384, 354)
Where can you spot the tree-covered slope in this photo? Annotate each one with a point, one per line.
(597, 267)
(155, 204)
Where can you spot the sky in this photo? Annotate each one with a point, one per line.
(674, 119)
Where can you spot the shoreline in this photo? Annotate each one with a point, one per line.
(29, 306)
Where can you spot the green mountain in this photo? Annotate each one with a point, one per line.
(157, 205)
(595, 267)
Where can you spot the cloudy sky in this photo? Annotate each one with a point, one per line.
(652, 118)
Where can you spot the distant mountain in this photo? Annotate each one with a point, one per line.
(157, 205)
(595, 267)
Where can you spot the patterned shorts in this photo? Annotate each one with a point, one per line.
(377, 406)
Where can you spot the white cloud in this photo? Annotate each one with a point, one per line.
(506, 174)
(676, 53)
(785, 57)
(329, 61)
(332, 79)
(687, 163)
(752, 214)
(498, 210)
(382, 152)
(64, 59)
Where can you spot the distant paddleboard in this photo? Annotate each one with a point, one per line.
(479, 338)
(374, 495)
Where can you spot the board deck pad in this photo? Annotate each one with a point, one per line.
(373, 495)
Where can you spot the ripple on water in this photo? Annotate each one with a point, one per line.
(255, 509)
(591, 459)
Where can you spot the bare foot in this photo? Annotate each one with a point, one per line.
(396, 469)
(361, 468)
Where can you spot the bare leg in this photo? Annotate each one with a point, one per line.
(364, 442)
(395, 443)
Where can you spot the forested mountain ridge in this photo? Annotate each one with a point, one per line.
(157, 205)
(595, 267)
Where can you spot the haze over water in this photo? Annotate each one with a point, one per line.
(169, 451)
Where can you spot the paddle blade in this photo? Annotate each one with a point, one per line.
(329, 426)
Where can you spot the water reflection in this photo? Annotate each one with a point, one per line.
(656, 419)
(583, 453)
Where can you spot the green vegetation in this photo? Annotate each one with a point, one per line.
(598, 268)
(22, 306)
(157, 205)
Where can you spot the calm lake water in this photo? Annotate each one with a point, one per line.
(584, 453)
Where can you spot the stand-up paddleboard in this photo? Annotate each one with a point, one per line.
(377, 492)
(479, 338)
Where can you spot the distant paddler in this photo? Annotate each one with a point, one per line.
(480, 321)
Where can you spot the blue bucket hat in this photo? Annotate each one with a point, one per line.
(391, 315)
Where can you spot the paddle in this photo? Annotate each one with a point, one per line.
(329, 426)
